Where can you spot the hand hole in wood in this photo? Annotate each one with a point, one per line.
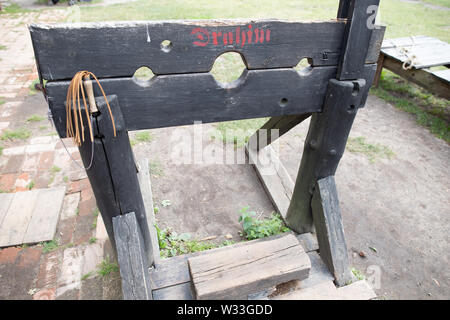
(355, 88)
(304, 66)
(166, 45)
(229, 70)
(283, 102)
(143, 76)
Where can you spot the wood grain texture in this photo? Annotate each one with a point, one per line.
(147, 195)
(357, 37)
(118, 49)
(42, 226)
(132, 258)
(182, 291)
(274, 177)
(421, 77)
(330, 230)
(15, 223)
(174, 100)
(238, 272)
(5, 201)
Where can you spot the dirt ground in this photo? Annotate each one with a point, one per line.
(398, 206)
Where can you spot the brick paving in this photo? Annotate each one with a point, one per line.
(69, 271)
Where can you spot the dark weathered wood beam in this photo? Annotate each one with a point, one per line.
(265, 135)
(174, 100)
(356, 40)
(325, 145)
(63, 49)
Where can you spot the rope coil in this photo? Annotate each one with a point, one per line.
(74, 116)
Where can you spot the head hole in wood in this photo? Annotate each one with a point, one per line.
(229, 69)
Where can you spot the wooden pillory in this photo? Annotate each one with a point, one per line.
(342, 53)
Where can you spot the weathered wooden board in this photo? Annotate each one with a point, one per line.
(132, 258)
(118, 49)
(274, 128)
(173, 271)
(238, 272)
(330, 230)
(29, 216)
(174, 100)
(274, 177)
(182, 291)
(45, 215)
(422, 77)
(357, 36)
(147, 195)
(427, 51)
(5, 201)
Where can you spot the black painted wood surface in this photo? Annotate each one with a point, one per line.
(325, 145)
(174, 100)
(123, 172)
(118, 49)
(132, 258)
(357, 36)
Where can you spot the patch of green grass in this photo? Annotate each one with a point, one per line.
(237, 132)
(35, 118)
(358, 274)
(55, 169)
(13, 9)
(155, 169)
(42, 128)
(66, 179)
(86, 276)
(371, 151)
(32, 88)
(17, 134)
(92, 240)
(143, 136)
(96, 212)
(2, 101)
(2, 47)
(49, 246)
(172, 244)
(106, 267)
(94, 223)
(430, 111)
(1, 150)
(256, 227)
(30, 185)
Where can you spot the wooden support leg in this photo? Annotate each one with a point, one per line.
(113, 175)
(330, 230)
(132, 258)
(379, 70)
(324, 147)
(283, 124)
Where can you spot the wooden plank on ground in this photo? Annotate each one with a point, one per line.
(146, 190)
(175, 270)
(238, 272)
(5, 201)
(275, 179)
(182, 291)
(132, 258)
(42, 226)
(15, 223)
